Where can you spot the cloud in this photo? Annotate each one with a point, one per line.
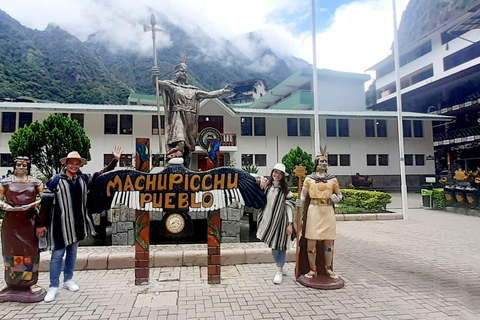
(360, 33)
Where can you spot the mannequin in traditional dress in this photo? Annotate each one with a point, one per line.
(321, 190)
(18, 197)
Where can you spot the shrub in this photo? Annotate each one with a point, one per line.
(438, 198)
(362, 201)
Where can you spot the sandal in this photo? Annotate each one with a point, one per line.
(331, 274)
(34, 289)
(310, 274)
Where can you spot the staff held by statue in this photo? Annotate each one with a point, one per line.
(157, 92)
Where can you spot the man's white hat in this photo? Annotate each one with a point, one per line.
(73, 155)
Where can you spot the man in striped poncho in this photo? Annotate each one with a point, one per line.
(64, 217)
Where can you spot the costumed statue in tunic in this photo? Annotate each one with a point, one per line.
(275, 220)
(21, 256)
(319, 193)
(181, 103)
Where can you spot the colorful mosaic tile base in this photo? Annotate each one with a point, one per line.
(21, 267)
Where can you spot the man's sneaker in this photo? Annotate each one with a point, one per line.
(278, 278)
(50, 296)
(71, 286)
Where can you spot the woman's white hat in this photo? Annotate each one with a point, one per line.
(280, 167)
(73, 155)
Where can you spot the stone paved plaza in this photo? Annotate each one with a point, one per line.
(426, 267)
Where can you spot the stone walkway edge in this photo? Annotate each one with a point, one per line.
(123, 257)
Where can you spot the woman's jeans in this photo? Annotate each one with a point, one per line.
(279, 256)
(56, 262)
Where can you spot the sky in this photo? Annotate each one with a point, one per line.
(351, 35)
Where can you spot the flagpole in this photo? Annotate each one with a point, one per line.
(399, 115)
(315, 84)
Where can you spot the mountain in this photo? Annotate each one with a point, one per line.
(423, 16)
(54, 65)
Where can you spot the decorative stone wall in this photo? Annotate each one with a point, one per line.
(123, 220)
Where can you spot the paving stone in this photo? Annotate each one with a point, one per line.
(424, 267)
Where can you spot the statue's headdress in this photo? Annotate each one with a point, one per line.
(25, 161)
(322, 156)
(182, 64)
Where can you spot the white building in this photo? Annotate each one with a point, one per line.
(440, 74)
(261, 133)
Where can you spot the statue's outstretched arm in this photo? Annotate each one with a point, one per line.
(214, 94)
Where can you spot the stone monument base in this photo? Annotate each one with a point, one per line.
(321, 282)
(17, 295)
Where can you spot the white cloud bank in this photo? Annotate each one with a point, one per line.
(360, 34)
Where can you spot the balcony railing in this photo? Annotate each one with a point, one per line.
(229, 139)
(457, 134)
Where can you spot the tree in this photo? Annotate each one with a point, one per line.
(298, 157)
(47, 142)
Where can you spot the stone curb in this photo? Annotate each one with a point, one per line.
(102, 258)
(87, 260)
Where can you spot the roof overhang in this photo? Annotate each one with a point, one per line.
(340, 114)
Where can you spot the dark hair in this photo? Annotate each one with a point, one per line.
(29, 165)
(283, 183)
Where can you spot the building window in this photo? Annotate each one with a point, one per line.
(8, 121)
(24, 119)
(416, 126)
(125, 160)
(259, 126)
(332, 160)
(341, 124)
(6, 160)
(375, 128)
(155, 124)
(79, 117)
(261, 160)
(381, 128)
(419, 159)
(460, 57)
(371, 159)
(247, 159)
(292, 127)
(246, 126)
(383, 159)
(158, 160)
(305, 127)
(409, 159)
(416, 53)
(111, 124)
(343, 130)
(331, 128)
(344, 160)
(126, 124)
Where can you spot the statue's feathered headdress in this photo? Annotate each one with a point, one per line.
(182, 64)
(323, 153)
(322, 156)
